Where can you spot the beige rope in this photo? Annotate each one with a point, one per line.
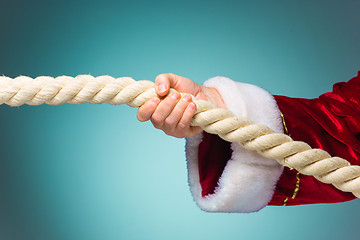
(86, 88)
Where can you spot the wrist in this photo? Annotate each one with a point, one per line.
(212, 95)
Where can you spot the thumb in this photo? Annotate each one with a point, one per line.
(163, 82)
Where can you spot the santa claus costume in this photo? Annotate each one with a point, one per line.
(224, 177)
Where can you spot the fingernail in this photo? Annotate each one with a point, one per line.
(175, 96)
(162, 87)
(155, 101)
(186, 98)
(192, 106)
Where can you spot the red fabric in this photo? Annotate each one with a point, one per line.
(213, 156)
(330, 122)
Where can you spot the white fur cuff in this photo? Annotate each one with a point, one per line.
(248, 180)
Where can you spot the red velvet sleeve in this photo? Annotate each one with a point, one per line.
(330, 122)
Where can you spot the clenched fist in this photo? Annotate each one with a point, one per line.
(173, 113)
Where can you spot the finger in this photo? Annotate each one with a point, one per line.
(163, 110)
(164, 82)
(174, 117)
(186, 118)
(146, 110)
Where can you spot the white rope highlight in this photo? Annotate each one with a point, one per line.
(125, 90)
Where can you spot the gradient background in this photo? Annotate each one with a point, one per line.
(93, 172)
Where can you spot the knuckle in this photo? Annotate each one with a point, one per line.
(156, 125)
(157, 118)
(170, 121)
(163, 76)
(182, 125)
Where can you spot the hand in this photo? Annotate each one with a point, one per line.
(173, 114)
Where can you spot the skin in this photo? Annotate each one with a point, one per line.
(171, 113)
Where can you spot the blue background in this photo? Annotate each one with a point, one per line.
(94, 172)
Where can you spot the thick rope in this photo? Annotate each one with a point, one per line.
(278, 146)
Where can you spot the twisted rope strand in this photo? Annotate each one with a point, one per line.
(106, 89)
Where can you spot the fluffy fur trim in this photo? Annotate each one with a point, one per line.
(248, 180)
